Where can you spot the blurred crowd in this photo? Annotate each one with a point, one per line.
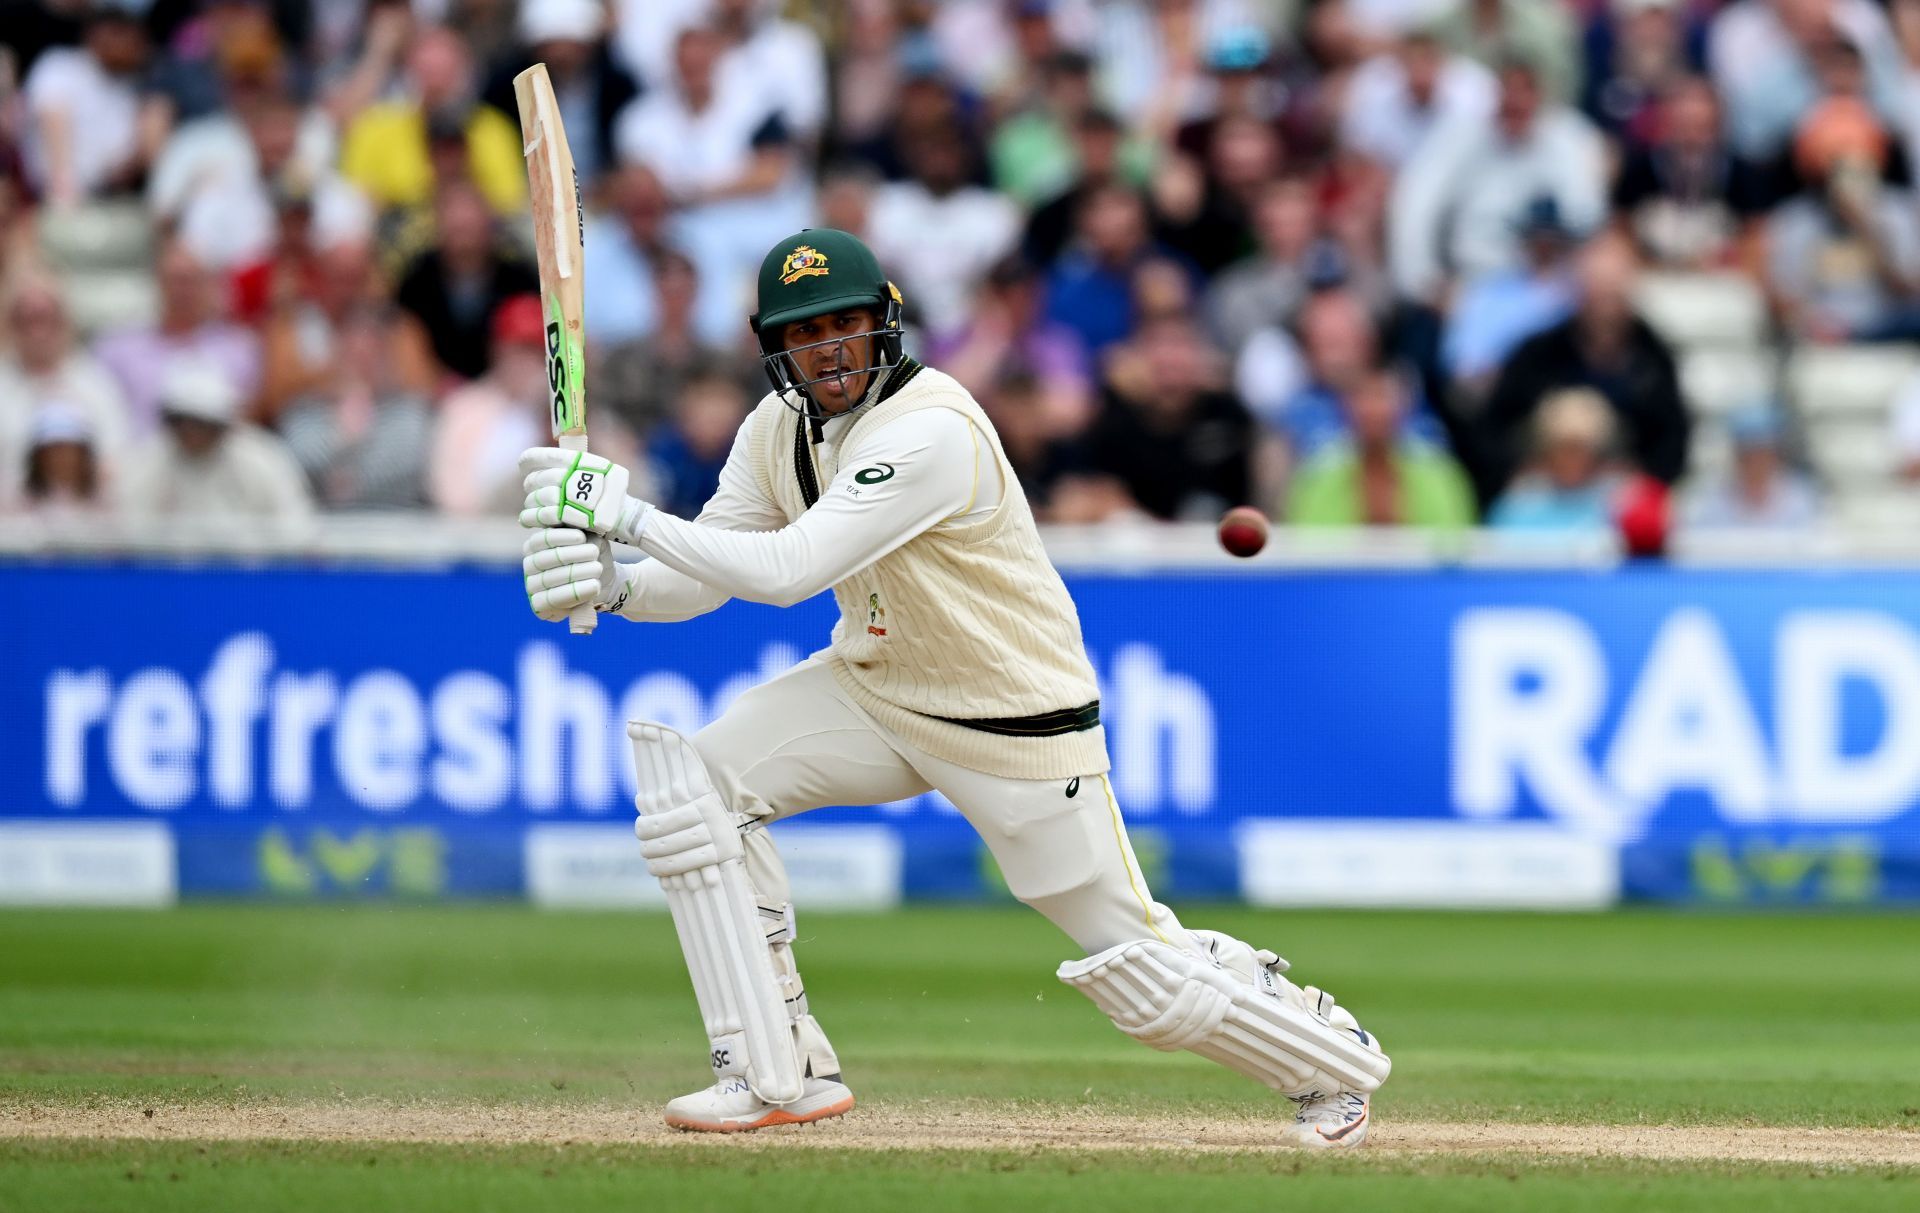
(1354, 262)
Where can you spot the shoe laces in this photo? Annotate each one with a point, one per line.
(1320, 1107)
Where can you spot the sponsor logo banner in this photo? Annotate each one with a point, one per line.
(1735, 736)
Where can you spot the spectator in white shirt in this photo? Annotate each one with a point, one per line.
(215, 176)
(208, 464)
(83, 109)
(782, 58)
(724, 155)
(1762, 55)
(1396, 100)
(1457, 207)
(938, 233)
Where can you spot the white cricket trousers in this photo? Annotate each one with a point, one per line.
(799, 742)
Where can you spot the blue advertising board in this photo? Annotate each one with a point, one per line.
(1730, 736)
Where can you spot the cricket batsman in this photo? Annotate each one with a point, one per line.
(957, 664)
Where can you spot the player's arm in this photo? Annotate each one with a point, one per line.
(907, 476)
(563, 566)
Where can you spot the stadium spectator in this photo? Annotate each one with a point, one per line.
(1240, 86)
(1149, 57)
(1497, 310)
(62, 473)
(1339, 349)
(388, 148)
(1765, 57)
(362, 439)
(206, 463)
(628, 237)
(310, 230)
(589, 85)
(1268, 287)
(1604, 346)
(43, 369)
(1090, 289)
(305, 294)
(1493, 30)
(198, 47)
(1570, 484)
(688, 449)
(451, 290)
(937, 234)
(1008, 337)
(1682, 193)
(1203, 209)
(1398, 98)
(638, 380)
(1760, 492)
(483, 426)
(1843, 255)
(192, 323)
(726, 156)
(1032, 151)
(83, 132)
(1101, 158)
(868, 74)
(782, 59)
(1457, 205)
(1169, 440)
(1376, 475)
(217, 175)
(1025, 418)
(1637, 50)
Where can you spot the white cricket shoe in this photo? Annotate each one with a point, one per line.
(729, 1106)
(1329, 1122)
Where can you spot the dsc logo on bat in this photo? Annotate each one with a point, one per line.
(557, 378)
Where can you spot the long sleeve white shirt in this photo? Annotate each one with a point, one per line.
(1457, 204)
(741, 545)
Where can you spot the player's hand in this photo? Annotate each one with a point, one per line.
(564, 567)
(580, 489)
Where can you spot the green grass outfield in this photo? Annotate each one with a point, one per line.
(517, 1024)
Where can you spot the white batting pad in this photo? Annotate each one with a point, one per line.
(693, 846)
(1172, 999)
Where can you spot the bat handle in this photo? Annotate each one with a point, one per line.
(583, 619)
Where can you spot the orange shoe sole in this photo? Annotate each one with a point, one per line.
(779, 1116)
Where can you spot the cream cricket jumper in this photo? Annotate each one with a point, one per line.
(947, 612)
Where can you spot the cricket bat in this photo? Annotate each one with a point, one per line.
(553, 189)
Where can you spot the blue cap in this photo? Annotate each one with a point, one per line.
(1325, 266)
(1542, 218)
(1240, 48)
(1756, 425)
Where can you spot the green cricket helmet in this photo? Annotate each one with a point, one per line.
(816, 272)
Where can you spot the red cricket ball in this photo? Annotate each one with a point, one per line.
(1243, 530)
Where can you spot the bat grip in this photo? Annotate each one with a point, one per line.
(583, 618)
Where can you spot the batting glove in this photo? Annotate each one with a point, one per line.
(565, 568)
(581, 490)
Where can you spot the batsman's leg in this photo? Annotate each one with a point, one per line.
(784, 747)
(1063, 849)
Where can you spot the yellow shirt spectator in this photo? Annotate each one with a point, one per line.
(386, 154)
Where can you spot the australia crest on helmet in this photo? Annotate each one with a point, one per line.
(804, 261)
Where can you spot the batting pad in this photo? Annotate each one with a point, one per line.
(692, 845)
(1171, 999)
